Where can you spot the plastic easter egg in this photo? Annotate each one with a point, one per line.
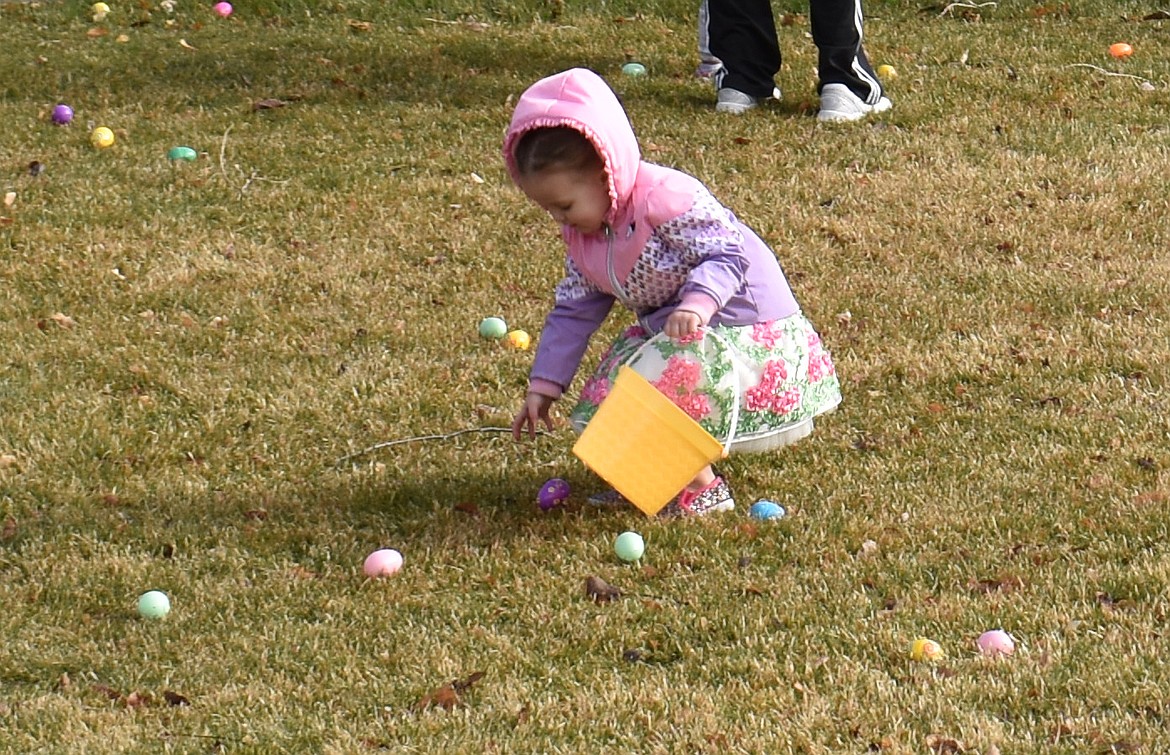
(765, 510)
(629, 546)
(1120, 50)
(62, 114)
(995, 643)
(153, 604)
(223, 10)
(382, 563)
(102, 137)
(493, 327)
(887, 71)
(552, 493)
(926, 650)
(182, 153)
(518, 339)
(634, 69)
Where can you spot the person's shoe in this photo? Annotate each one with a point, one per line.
(608, 499)
(840, 105)
(708, 69)
(733, 101)
(714, 498)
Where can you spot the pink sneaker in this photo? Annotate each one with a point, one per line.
(714, 498)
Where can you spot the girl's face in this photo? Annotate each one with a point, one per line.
(578, 198)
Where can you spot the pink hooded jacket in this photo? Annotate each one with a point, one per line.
(665, 232)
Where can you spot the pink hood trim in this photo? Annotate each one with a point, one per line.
(641, 195)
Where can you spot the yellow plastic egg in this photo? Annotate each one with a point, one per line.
(518, 339)
(102, 137)
(926, 650)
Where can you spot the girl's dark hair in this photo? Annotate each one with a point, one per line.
(554, 147)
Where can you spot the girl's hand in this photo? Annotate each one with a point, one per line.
(682, 323)
(535, 410)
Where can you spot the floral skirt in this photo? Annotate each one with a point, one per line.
(772, 378)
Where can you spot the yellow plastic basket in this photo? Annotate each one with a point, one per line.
(644, 445)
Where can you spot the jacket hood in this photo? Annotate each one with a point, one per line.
(581, 99)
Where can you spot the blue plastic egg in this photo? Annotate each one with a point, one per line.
(765, 510)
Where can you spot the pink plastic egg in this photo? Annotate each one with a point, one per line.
(996, 643)
(382, 563)
(223, 10)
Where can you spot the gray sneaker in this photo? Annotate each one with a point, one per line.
(840, 105)
(733, 101)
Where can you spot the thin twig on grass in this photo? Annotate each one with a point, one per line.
(444, 436)
(222, 150)
(1099, 69)
(973, 6)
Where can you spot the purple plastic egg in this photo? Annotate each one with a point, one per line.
(62, 114)
(552, 493)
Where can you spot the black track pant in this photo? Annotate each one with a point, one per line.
(743, 35)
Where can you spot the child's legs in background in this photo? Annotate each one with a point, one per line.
(709, 64)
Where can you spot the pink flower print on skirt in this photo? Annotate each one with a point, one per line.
(778, 373)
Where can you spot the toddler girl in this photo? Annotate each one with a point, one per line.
(718, 330)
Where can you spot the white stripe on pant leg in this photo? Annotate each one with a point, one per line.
(875, 87)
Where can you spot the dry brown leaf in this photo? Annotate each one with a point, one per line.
(1005, 584)
(64, 320)
(1141, 499)
(448, 696)
(96, 32)
(444, 697)
(174, 698)
(258, 515)
(300, 572)
(107, 691)
(600, 590)
(359, 25)
(7, 460)
(137, 699)
(185, 44)
(269, 103)
(467, 507)
(9, 199)
(9, 530)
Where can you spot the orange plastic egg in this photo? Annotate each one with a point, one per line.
(1120, 50)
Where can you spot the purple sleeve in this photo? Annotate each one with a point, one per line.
(579, 311)
(714, 247)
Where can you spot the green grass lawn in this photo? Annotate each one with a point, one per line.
(191, 348)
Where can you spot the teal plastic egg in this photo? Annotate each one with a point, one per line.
(154, 604)
(182, 153)
(629, 546)
(493, 327)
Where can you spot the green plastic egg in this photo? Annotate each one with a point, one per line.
(182, 153)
